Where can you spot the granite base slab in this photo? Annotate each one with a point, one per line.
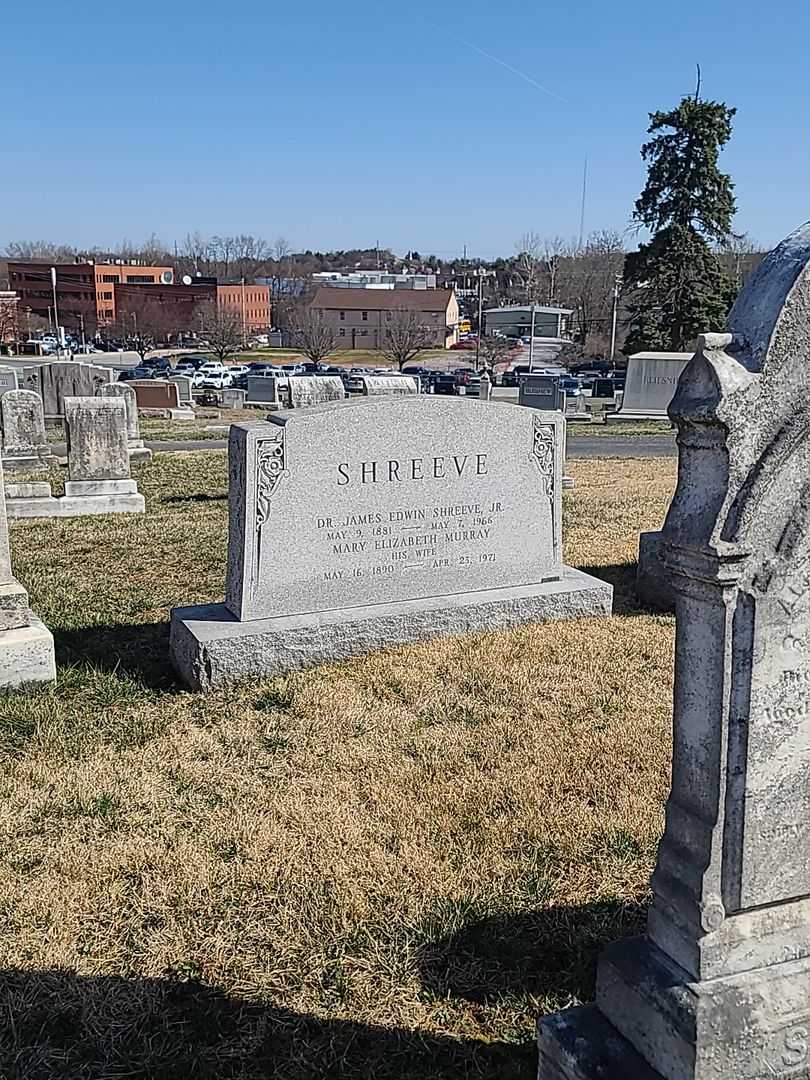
(580, 1044)
(209, 646)
(26, 655)
(75, 506)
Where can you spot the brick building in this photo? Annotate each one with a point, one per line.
(85, 290)
(249, 303)
(358, 316)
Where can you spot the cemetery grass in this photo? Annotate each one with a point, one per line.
(381, 868)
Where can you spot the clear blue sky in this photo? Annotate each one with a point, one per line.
(343, 124)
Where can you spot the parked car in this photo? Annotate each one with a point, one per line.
(237, 370)
(466, 345)
(571, 386)
(463, 375)
(212, 380)
(444, 382)
(184, 367)
(139, 372)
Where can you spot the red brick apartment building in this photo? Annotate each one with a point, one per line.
(82, 289)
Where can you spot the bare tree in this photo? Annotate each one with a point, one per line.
(314, 335)
(404, 336)
(494, 349)
(145, 322)
(221, 330)
(9, 321)
(528, 265)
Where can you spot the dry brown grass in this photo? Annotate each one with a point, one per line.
(382, 868)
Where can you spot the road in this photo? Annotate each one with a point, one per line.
(579, 446)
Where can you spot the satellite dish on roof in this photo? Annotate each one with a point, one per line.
(186, 279)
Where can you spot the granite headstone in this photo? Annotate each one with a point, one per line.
(375, 385)
(307, 390)
(369, 522)
(650, 385)
(69, 379)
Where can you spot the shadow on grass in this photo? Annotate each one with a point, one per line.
(93, 1028)
(141, 650)
(199, 498)
(622, 576)
(550, 953)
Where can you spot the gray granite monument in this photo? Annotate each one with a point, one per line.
(374, 385)
(366, 523)
(137, 450)
(649, 385)
(71, 378)
(26, 645)
(719, 987)
(541, 392)
(263, 390)
(305, 391)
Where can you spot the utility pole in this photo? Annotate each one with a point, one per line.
(480, 319)
(531, 339)
(617, 288)
(81, 323)
(244, 323)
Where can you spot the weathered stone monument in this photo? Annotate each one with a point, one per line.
(366, 523)
(374, 385)
(719, 987)
(98, 458)
(71, 378)
(98, 466)
(26, 646)
(649, 385)
(25, 444)
(136, 448)
(304, 391)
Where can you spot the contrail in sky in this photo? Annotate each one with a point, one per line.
(514, 70)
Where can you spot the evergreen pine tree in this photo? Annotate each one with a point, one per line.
(687, 204)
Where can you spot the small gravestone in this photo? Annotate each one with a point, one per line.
(137, 451)
(26, 646)
(263, 390)
(367, 523)
(375, 385)
(160, 398)
(98, 458)
(234, 399)
(485, 386)
(719, 987)
(184, 385)
(25, 444)
(541, 392)
(308, 390)
(57, 381)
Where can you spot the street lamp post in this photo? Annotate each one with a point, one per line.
(531, 338)
(57, 329)
(617, 288)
